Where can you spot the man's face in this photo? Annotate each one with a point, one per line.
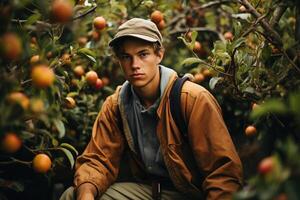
(140, 63)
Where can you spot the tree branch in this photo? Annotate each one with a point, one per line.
(276, 39)
(279, 11)
(85, 13)
(200, 29)
(211, 4)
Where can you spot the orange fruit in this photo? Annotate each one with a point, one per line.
(250, 130)
(99, 84)
(19, 98)
(161, 25)
(206, 73)
(41, 163)
(61, 10)
(91, 77)
(99, 23)
(70, 102)
(37, 105)
(254, 106)
(34, 59)
(197, 47)
(42, 76)
(79, 71)
(10, 46)
(156, 16)
(105, 81)
(82, 41)
(66, 59)
(242, 9)
(198, 78)
(11, 143)
(266, 165)
(228, 35)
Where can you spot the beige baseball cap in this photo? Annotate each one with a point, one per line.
(139, 28)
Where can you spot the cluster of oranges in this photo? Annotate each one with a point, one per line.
(11, 143)
(158, 18)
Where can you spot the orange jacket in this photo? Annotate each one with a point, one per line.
(216, 159)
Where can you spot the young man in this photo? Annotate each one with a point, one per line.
(135, 131)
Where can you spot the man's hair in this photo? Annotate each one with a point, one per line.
(117, 50)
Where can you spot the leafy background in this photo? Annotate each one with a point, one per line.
(248, 57)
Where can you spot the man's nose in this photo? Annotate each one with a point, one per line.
(135, 62)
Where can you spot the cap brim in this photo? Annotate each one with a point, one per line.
(143, 37)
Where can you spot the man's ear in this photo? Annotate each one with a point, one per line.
(160, 55)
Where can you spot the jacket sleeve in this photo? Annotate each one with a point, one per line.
(99, 163)
(213, 148)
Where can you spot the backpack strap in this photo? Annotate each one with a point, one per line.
(175, 105)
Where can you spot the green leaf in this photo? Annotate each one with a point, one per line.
(213, 82)
(86, 51)
(70, 147)
(237, 43)
(91, 58)
(219, 46)
(60, 127)
(69, 156)
(294, 103)
(33, 18)
(191, 62)
(271, 106)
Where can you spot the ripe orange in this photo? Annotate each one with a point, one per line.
(161, 25)
(61, 10)
(198, 78)
(99, 23)
(11, 143)
(10, 46)
(250, 130)
(34, 59)
(207, 73)
(79, 71)
(228, 35)
(41, 163)
(266, 165)
(70, 102)
(99, 84)
(19, 98)
(42, 76)
(254, 106)
(37, 105)
(156, 16)
(91, 77)
(242, 9)
(82, 41)
(66, 59)
(197, 47)
(105, 81)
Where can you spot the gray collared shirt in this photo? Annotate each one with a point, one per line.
(142, 122)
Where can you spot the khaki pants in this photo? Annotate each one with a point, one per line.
(128, 190)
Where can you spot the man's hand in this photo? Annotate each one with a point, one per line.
(86, 191)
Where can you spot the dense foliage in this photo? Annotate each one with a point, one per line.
(56, 70)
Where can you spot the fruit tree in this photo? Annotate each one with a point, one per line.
(56, 70)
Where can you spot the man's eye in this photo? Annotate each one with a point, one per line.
(143, 55)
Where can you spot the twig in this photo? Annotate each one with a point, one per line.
(84, 14)
(279, 11)
(200, 29)
(211, 4)
(273, 34)
(281, 50)
(21, 21)
(14, 160)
